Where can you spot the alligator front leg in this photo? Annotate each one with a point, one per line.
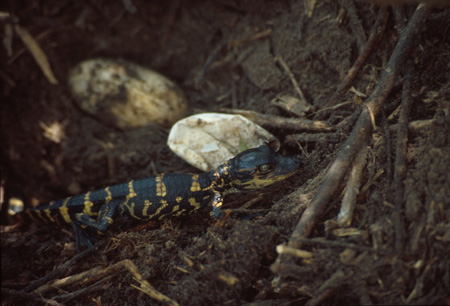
(216, 204)
(83, 221)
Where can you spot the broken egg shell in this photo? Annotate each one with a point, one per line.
(207, 140)
(125, 95)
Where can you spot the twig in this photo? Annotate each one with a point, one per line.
(85, 277)
(145, 286)
(316, 137)
(399, 17)
(61, 270)
(372, 181)
(22, 50)
(287, 270)
(98, 286)
(420, 284)
(291, 76)
(375, 35)
(347, 125)
(129, 6)
(256, 199)
(169, 21)
(415, 127)
(329, 287)
(8, 39)
(360, 132)
(29, 297)
(400, 156)
(321, 298)
(309, 7)
(339, 244)
(351, 190)
(37, 53)
(355, 22)
(336, 106)
(335, 280)
(209, 61)
(248, 211)
(281, 122)
(282, 249)
(259, 35)
(387, 136)
(98, 273)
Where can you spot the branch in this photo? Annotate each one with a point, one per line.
(361, 131)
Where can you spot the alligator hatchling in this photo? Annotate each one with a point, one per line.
(174, 194)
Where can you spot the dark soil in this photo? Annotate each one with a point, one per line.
(221, 53)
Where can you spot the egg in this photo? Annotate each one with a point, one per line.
(125, 95)
(207, 140)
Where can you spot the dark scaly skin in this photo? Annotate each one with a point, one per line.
(174, 194)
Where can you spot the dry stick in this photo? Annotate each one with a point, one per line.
(400, 156)
(316, 137)
(281, 122)
(174, 7)
(29, 297)
(97, 273)
(415, 127)
(282, 249)
(249, 211)
(355, 22)
(309, 7)
(291, 76)
(375, 35)
(336, 106)
(145, 286)
(338, 244)
(360, 132)
(38, 54)
(207, 65)
(329, 288)
(351, 190)
(61, 270)
(259, 35)
(419, 284)
(85, 278)
(98, 286)
(387, 136)
(399, 17)
(321, 298)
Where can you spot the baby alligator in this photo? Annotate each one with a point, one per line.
(174, 194)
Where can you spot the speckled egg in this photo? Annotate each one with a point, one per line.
(125, 95)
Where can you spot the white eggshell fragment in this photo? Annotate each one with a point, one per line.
(125, 95)
(207, 140)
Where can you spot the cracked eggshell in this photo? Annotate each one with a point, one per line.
(207, 140)
(125, 95)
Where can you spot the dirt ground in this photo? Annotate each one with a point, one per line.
(222, 55)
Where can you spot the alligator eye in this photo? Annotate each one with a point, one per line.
(265, 168)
